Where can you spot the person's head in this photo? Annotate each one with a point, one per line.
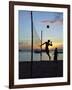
(48, 41)
(55, 48)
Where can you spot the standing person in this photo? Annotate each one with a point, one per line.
(47, 44)
(55, 54)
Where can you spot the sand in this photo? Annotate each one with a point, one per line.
(40, 69)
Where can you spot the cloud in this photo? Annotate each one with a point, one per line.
(57, 19)
(52, 21)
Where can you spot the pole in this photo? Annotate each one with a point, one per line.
(41, 47)
(31, 42)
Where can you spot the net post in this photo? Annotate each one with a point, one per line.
(41, 48)
(31, 41)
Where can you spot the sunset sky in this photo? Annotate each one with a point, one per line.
(40, 22)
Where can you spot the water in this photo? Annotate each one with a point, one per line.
(26, 56)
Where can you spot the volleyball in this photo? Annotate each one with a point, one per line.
(48, 26)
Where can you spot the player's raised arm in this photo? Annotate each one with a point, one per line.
(42, 43)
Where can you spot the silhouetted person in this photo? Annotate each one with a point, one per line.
(48, 43)
(55, 54)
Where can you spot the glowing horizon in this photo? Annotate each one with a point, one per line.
(55, 45)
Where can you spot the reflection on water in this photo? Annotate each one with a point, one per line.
(26, 56)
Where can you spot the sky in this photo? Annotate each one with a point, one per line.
(40, 21)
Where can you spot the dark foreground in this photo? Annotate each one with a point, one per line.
(40, 69)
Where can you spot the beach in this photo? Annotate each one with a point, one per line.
(40, 69)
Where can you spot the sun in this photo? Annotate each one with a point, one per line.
(56, 45)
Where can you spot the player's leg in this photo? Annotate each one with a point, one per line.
(48, 55)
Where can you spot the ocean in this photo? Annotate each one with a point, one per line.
(26, 56)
